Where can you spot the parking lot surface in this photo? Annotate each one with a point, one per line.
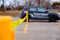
(38, 30)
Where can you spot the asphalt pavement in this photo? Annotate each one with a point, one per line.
(38, 30)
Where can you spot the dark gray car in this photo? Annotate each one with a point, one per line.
(40, 13)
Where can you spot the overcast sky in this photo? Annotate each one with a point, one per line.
(21, 2)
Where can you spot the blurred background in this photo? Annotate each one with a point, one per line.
(37, 30)
(13, 7)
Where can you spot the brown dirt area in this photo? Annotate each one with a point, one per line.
(10, 13)
(56, 10)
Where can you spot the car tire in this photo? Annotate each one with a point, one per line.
(52, 19)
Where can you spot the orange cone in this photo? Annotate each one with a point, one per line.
(5, 32)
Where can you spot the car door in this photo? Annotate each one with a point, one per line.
(42, 13)
(32, 10)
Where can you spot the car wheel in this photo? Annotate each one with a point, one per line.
(52, 19)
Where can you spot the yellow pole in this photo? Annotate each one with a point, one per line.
(26, 27)
(5, 32)
(27, 17)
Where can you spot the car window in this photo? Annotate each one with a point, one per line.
(32, 9)
(41, 9)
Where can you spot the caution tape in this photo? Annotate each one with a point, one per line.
(16, 23)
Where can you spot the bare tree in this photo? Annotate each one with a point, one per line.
(46, 3)
(2, 6)
(36, 2)
(29, 3)
(43, 3)
(3, 2)
(15, 3)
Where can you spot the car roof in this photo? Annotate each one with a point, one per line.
(33, 6)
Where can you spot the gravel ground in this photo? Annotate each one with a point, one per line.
(38, 31)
